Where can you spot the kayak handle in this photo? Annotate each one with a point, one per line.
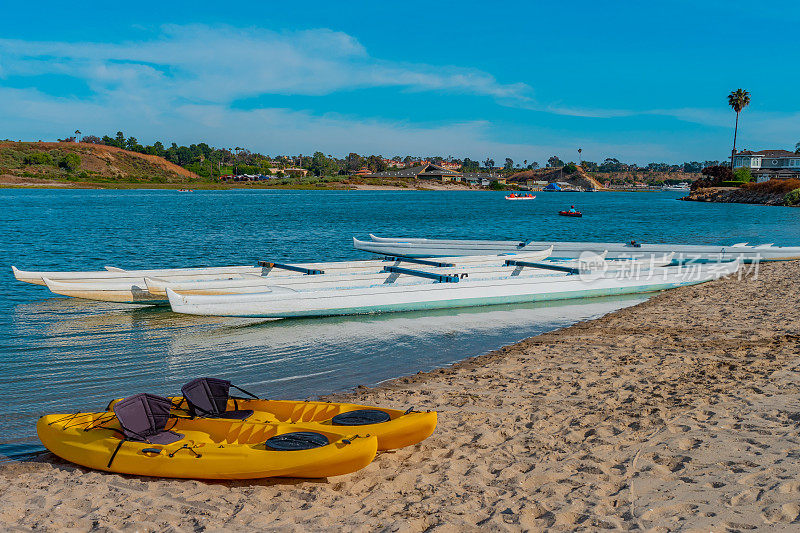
(186, 447)
(351, 439)
(152, 450)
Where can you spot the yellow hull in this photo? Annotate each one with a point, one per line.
(402, 430)
(210, 449)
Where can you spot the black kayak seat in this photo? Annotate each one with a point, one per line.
(208, 398)
(361, 417)
(144, 417)
(296, 441)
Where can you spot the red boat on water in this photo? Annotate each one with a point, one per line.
(571, 213)
(513, 196)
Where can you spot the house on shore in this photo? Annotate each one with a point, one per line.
(438, 173)
(765, 165)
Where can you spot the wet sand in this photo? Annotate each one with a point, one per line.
(680, 413)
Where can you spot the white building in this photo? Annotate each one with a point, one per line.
(769, 164)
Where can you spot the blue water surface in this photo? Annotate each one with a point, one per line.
(60, 355)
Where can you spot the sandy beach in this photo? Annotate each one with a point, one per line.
(681, 413)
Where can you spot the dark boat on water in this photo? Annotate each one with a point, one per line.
(571, 213)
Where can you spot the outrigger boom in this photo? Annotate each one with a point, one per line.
(441, 278)
(293, 268)
(545, 266)
(404, 259)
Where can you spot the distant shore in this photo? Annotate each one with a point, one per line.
(19, 182)
(680, 412)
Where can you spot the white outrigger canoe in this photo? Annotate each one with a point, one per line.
(151, 290)
(566, 249)
(285, 302)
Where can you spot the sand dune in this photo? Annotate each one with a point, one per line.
(680, 413)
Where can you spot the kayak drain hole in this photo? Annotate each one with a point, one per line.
(361, 417)
(298, 440)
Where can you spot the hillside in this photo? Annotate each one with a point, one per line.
(53, 162)
(633, 177)
(578, 179)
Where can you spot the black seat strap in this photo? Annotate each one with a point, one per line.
(113, 455)
(244, 391)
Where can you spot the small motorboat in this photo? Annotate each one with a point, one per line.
(513, 196)
(571, 213)
(185, 190)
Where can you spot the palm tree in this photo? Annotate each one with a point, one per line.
(236, 159)
(738, 100)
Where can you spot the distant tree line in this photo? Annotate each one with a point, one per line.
(211, 162)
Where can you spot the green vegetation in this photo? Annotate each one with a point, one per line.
(792, 198)
(37, 158)
(70, 162)
(570, 168)
(743, 175)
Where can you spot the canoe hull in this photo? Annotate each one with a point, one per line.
(567, 249)
(436, 296)
(128, 294)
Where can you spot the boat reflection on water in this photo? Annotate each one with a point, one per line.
(76, 355)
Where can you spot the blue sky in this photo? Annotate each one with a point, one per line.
(639, 81)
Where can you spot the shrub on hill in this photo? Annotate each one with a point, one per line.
(37, 158)
(570, 168)
(70, 162)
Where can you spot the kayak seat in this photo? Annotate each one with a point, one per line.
(143, 418)
(298, 440)
(208, 398)
(361, 417)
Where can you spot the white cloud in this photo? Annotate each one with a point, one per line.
(203, 64)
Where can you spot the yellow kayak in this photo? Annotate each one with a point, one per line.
(203, 448)
(396, 429)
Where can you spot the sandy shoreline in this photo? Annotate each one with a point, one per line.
(681, 412)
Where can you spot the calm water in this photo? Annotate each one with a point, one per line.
(59, 354)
